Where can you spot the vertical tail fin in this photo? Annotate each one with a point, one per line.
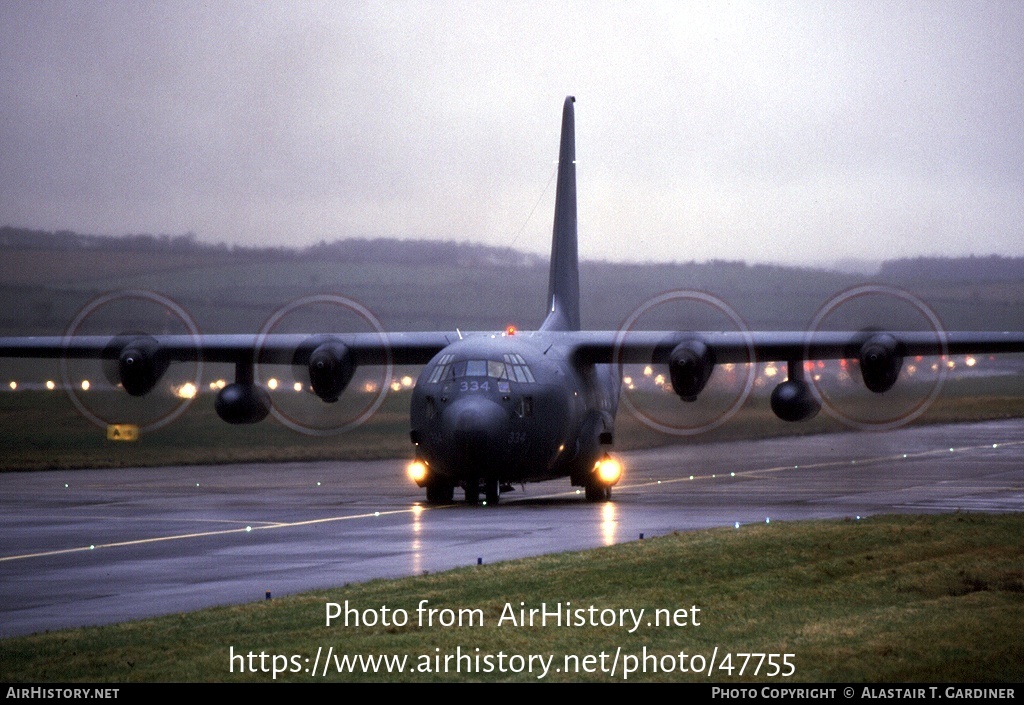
(564, 278)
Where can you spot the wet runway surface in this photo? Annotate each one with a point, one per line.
(101, 546)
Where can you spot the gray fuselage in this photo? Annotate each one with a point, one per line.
(511, 408)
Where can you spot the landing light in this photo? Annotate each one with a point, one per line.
(50, 385)
(272, 384)
(511, 330)
(186, 391)
(609, 470)
(85, 385)
(417, 471)
(297, 386)
(14, 385)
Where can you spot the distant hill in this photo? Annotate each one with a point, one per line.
(962, 269)
(353, 250)
(46, 277)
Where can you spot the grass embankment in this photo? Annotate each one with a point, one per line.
(42, 430)
(894, 598)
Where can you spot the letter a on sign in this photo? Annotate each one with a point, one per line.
(122, 432)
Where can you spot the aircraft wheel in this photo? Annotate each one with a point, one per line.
(440, 493)
(472, 491)
(492, 492)
(598, 493)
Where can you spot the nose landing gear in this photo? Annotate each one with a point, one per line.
(491, 488)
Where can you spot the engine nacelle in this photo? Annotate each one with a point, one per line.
(331, 367)
(242, 403)
(689, 367)
(140, 366)
(793, 400)
(881, 358)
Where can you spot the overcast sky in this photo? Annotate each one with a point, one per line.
(781, 132)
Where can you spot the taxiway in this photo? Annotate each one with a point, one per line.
(99, 546)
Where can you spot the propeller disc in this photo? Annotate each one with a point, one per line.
(877, 312)
(295, 404)
(130, 319)
(647, 389)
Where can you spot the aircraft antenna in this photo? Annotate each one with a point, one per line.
(554, 172)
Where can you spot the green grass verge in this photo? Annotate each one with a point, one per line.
(892, 598)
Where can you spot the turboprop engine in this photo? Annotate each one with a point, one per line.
(880, 359)
(331, 367)
(689, 367)
(140, 366)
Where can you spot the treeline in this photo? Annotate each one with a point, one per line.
(973, 269)
(418, 253)
(992, 268)
(23, 238)
(353, 250)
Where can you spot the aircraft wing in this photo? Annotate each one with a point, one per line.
(643, 347)
(366, 348)
(587, 347)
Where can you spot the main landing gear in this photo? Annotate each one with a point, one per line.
(440, 493)
(606, 473)
(597, 492)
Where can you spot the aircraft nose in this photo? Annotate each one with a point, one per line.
(476, 426)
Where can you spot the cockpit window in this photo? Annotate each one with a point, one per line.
(440, 372)
(476, 368)
(514, 368)
(517, 368)
(443, 369)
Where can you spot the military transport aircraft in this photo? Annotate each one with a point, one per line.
(494, 408)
